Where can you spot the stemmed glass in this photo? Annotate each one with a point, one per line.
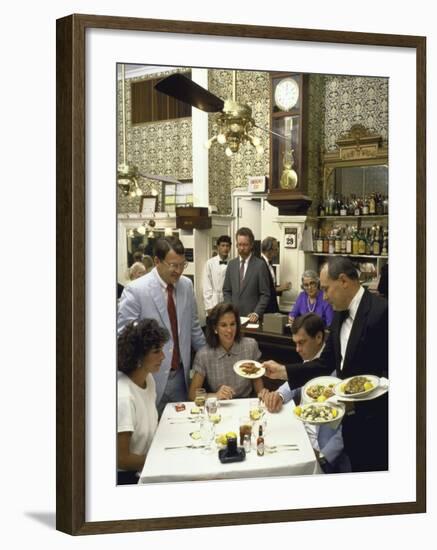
(207, 433)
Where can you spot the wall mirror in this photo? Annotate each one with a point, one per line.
(358, 167)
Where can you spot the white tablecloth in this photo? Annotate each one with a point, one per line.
(194, 464)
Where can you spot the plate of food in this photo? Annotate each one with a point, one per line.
(319, 389)
(319, 413)
(249, 369)
(357, 386)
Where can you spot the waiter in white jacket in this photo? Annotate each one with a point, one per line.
(214, 274)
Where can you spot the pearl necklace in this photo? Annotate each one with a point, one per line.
(312, 307)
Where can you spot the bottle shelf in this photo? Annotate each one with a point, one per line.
(352, 255)
(362, 216)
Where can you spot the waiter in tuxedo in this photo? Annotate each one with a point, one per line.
(214, 274)
(246, 283)
(270, 249)
(357, 345)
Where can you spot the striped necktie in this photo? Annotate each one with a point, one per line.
(171, 308)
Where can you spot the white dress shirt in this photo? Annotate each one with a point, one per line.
(346, 327)
(213, 279)
(272, 271)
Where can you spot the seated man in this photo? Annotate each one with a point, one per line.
(308, 333)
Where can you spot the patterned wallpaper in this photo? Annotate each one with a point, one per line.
(157, 148)
(226, 173)
(352, 100)
(336, 102)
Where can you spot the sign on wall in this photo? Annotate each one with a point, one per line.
(290, 237)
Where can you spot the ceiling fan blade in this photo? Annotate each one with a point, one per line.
(183, 88)
(270, 131)
(165, 179)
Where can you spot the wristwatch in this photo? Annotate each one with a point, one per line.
(322, 459)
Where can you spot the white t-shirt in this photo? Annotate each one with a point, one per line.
(137, 412)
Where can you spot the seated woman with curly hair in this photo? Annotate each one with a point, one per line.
(139, 355)
(214, 362)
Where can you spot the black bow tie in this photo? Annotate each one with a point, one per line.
(224, 262)
(343, 315)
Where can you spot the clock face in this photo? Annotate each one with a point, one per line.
(286, 94)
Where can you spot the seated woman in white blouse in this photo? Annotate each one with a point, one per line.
(139, 355)
(214, 362)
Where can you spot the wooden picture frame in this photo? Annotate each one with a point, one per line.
(71, 297)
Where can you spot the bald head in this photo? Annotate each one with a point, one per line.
(339, 280)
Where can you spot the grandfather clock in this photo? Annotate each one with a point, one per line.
(288, 143)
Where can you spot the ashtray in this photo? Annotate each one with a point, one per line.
(226, 458)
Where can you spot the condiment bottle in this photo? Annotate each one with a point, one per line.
(260, 443)
(246, 443)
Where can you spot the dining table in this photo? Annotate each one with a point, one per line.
(178, 452)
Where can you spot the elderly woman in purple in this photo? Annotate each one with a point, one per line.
(310, 300)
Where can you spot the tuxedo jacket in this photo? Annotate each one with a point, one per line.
(254, 294)
(144, 298)
(365, 429)
(272, 306)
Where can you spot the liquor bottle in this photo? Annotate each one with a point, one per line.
(379, 205)
(260, 442)
(357, 210)
(331, 240)
(337, 243)
(321, 209)
(376, 245)
(343, 241)
(320, 242)
(372, 204)
(355, 243)
(365, 209)
(330, 211)
(385, 205)
(336, 211)
(368, 237)
(361, 244)
(348, 240)
(385, 244)
(325, 244)
(343, 208)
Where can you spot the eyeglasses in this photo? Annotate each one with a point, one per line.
(311, 284)
(175, 266)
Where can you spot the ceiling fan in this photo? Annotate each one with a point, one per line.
(128, 174)
(235, 121)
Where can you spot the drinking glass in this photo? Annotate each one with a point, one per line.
(213, 410)
(200, 397)
(245, 428)
(256, 409)
(207, 434)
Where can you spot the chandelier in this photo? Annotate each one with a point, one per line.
(233, 126)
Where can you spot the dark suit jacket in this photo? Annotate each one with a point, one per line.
(254, 295)
(365, 432)
(272, 306)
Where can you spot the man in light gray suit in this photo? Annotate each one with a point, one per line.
(165, 295)
(247, 283)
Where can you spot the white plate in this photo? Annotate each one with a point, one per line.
(370, 377)
(251, 376)
(340, 413)
(319, 381)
